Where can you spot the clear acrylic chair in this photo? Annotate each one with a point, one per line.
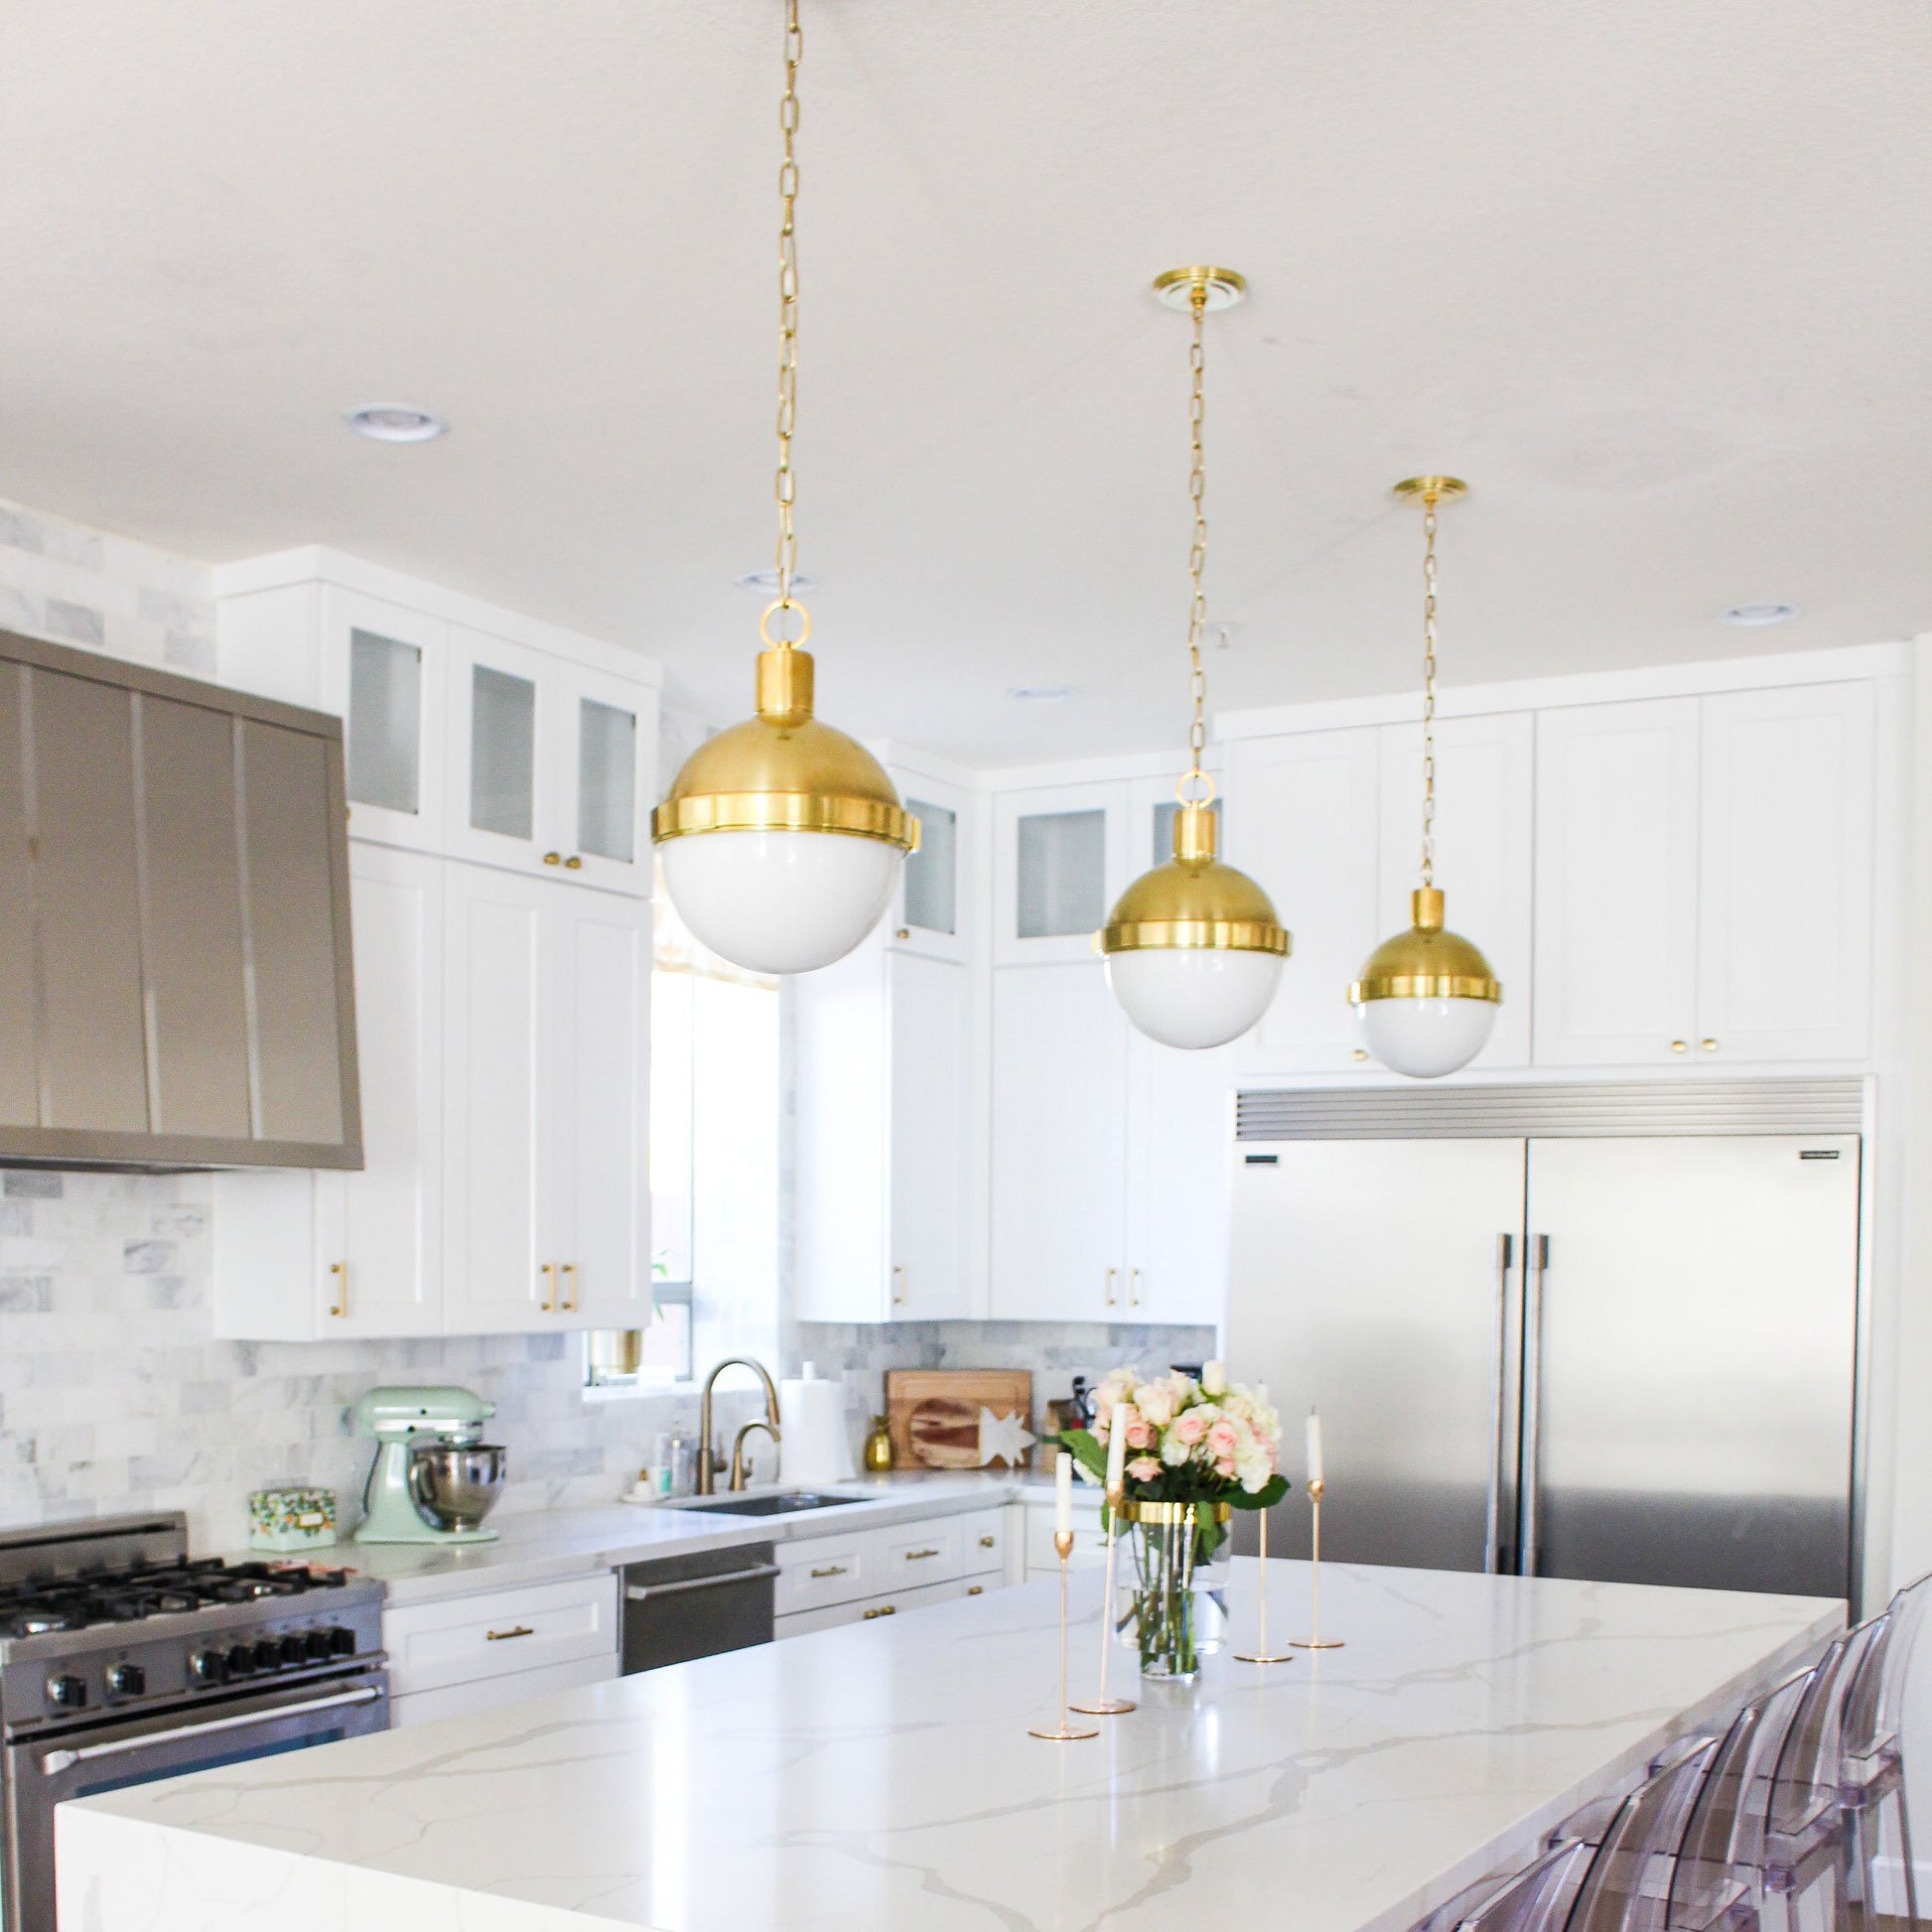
(1717, 1882)
(1871, 1760)
(1627, 1885)
(1537, 1899)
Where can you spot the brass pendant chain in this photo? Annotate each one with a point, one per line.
(1197, 553)
(787, 555)
(1428, 690)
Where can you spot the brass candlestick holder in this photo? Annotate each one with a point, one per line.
(1065, 1733)
(1102, 1705)
(1261, 1654)
(1314, 1640)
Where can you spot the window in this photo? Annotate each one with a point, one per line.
(714, 1097)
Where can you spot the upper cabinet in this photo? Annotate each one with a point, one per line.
(508, 744)
(175, 982)
(1061, 858)
(934, 912)
(1672, 837)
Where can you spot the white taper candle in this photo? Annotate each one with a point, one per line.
(1315, 1447)
(1064, 1493)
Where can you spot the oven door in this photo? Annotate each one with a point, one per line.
(41, 1774)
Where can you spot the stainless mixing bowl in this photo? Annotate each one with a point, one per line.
(456, 1485)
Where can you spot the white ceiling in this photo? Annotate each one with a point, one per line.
(1655, 276)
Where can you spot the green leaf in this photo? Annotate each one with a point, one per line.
(1085, 1450)
(1266, 1497)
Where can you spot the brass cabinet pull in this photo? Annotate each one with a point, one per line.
(899, 1285)
(905, 932)
(1360, 1053)
(915, 1556)
(1680, 1046)
(1709, 1045)
(573, 863)
(503, 1636)
(553, 858)
(1133, 1287)
(339, 1271)
(570, 1276)
(1111, 1273)
(549, 1273)
(986, 1542)
(975, 1590)
(831, 1570)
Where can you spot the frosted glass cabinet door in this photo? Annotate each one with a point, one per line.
(606, 764)
(384, 673)
(1060, 862)
(501, 752)
(934, 914)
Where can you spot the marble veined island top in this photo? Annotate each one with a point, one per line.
(879, 1777)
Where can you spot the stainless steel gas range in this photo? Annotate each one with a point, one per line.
(122, 1660)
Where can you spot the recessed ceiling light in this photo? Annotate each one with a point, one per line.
(396, 421)
(1752, 615)
(767, 580)
(1042, 693)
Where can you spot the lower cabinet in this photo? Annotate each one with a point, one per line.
(459, 1654)
(867, 1573)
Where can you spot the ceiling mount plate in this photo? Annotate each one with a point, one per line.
(1175, 289)
(1445, 489)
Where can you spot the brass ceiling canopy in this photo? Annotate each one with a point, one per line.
(1219, 288)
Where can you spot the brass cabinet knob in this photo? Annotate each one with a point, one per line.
(1361, 1052)
(975, 1590)
(905, 932)
(573, 863)
(986, 1542)
(553, 858)
(1680, 1046)
(1709, 1045)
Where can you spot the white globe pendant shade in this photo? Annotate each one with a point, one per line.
(781, 838)
(1193, 948)
(781, 902)
(1427, 1001)
(1193, 996)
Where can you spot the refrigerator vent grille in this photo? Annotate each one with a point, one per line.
(1578, 1112)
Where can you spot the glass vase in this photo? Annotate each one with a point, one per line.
(1166, 1611)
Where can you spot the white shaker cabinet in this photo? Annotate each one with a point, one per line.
(1784, 919)
(1616, 882)
(1484, 814)
(1305, 823)
(303, 1256)
(883, 1045)
(1061, 858)
(1060, 1146)
(546, 1062)
(933, 908)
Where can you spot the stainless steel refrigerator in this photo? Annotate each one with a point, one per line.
(1626, 1359)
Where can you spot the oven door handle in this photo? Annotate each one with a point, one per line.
(56, 1762)
(643, 1592)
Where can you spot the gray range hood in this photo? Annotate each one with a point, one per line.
(176, 986)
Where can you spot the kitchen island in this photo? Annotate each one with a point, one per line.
(879, 1777)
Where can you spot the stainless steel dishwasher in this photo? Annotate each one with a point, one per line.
(679, 1607)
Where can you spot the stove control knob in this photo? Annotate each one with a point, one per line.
(69, 1693)
(317, 1646)
(206, 1667)
(268, 1654)
(126, 1680)
(341, 1642)
(293, 1650)
(241, 1660)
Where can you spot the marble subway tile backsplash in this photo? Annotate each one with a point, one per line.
(75, 586)
(114, 1395)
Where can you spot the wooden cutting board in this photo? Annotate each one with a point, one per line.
(935, 1413)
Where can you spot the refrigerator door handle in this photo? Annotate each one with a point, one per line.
(1492, 1546)
(1537, 1265)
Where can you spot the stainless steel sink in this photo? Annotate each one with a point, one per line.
(785, 1502)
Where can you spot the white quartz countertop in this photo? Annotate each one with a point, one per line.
(880, 1776)
(538, 1544)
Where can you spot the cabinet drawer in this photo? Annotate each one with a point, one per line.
(488, 1693)
(982, 1541)
(895, 1603)
(918, 1553)
(822, 1571)
(501, 1633)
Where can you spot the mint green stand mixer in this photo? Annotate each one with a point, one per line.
(434, 1479)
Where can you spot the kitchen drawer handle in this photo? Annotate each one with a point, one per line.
(975, 1590)
(1111, 1273)
(503, 1636)
(987, 1541)
(339, 1269)
(883, 1609)
(899, 1285)
(570, 1280)
(1133, 1287)
(54, 1762)
(831, 1570)
(549, 1273)
(920, 1556)
(643, 1593)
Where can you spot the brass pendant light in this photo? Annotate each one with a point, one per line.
(1193, 949)
(1427, 1001)
(781, 838)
